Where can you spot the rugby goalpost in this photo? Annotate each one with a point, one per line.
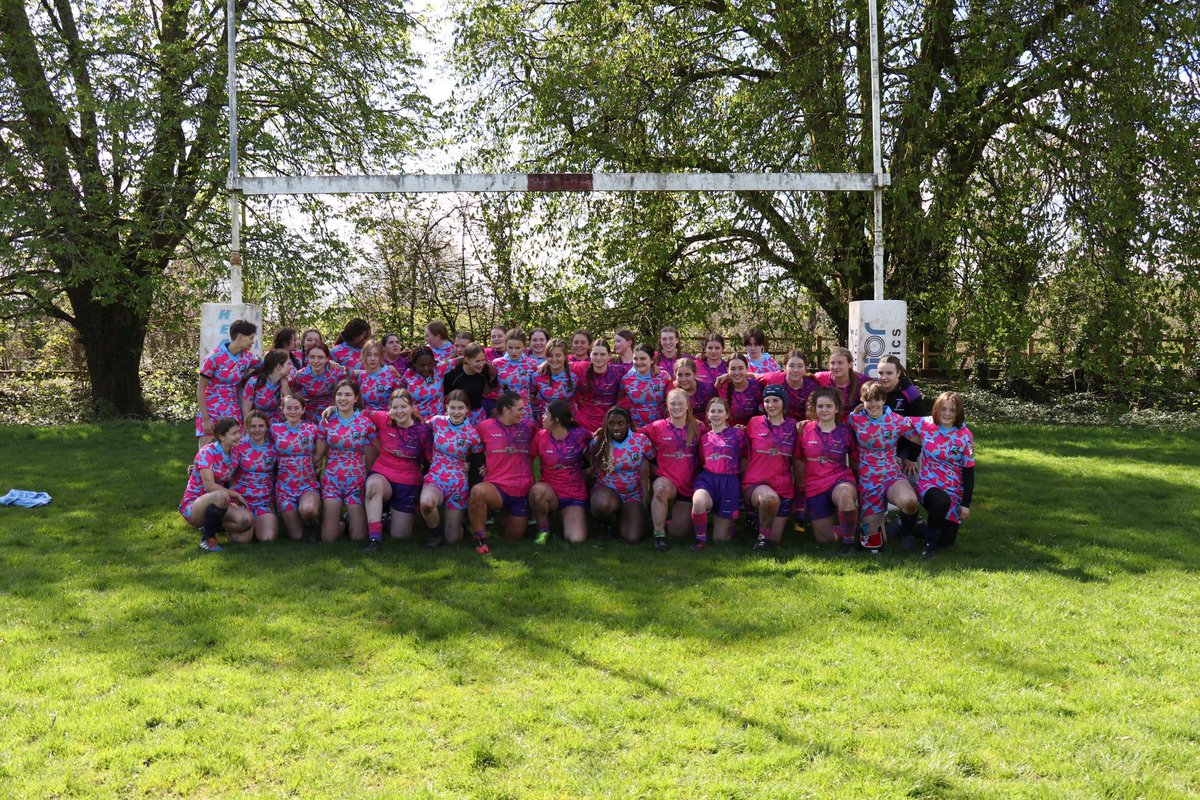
(878, 327)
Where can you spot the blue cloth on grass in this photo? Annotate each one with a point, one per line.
(24, 498)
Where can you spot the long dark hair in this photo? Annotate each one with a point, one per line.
(560, 412)
(270, 361)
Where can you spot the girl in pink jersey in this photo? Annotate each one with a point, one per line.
(698, 393)
(561, 447)
(553, 380)
(718, 488)
(514, 371)
(453, 440)
(264, 387)
(946, 482)
(842, 377)
(829, 455)
(207, 503)
(644, 388)
(297, 491)
(712, 365)
(507, 439)
(880, 480)
(668, 351)
(597, 385)
(743, 393)
(676, 442)
(758, 361)
(581, 346)
(393, 352)
(347, 348)
(768, 484)
(220, 375)
(405, 446)
(437, 339)
(539, 338)
(345, 433)
(254, 461)
(799, 385)
(424, 381)
(376, 380)
(624, 341)
(314, 384)
(621, 460)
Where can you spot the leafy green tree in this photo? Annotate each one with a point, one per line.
(113, 142)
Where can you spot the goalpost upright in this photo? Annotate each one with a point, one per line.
(877, 327)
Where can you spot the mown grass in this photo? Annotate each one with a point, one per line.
(1052, 653)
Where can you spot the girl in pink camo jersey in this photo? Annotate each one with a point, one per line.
(254, 460)
(621, 458)
(454, 439)
(346, 433)
(297, 491)
(220, 374)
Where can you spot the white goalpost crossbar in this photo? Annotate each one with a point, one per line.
(239, 185)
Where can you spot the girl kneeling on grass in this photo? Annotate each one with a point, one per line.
(718, 487)
(827, 455)
(453, 439)
(561, 446)
(676, 442)
(254, 459)
(507, 440)
(207, 503)
(622, 463)
(880, 480)
(404, 447)
(297, 491)
(947, 478)
(345, 435)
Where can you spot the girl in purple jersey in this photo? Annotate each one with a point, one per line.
(758, 361)
(880, 481)
(668, 350)
(644, 388)
(718, 487)
(207, 503)
(265, 387)
(496, 343)
(539, 338)
(828, 455)
(841, 376)
(314, 384)
(623, 343)
(297, 491)
(220, 377)
(698, 393)
(561, 447)
(676, 442)
(553, 379)
(393, 352)
(581, 346)
(396, 476)
(376, 380)
(712, 365)
(347, 348)
(946, 483)
(254, 460)
(597, 385)
(345, 435)
(621, 460)
(742, 392)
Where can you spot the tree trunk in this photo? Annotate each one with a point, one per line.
(113, 337)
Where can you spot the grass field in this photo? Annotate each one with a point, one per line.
(1052, 653)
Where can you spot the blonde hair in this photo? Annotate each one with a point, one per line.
(689, 417)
